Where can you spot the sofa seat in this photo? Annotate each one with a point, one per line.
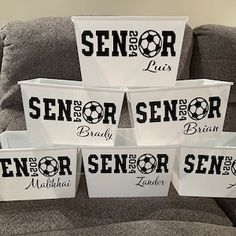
(30, 217)
(148, 227)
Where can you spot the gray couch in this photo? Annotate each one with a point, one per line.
(47, 48)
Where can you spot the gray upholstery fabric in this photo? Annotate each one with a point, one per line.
(12, 119)
(125, 118)
(229, 206)
(214, 54)
(230, 124)
(68, 214)
(186, 54)
(44, 47)
(150, 227)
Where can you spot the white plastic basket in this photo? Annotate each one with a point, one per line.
(29, 173)
(64, 112)
(207, 169)
(128, 170)
(192, 111)
(116, 51)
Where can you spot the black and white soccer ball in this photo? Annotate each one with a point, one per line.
(48, 166)
(150, 43)
(198, 108)
(233, 167)
(92, 112)
(146, 163)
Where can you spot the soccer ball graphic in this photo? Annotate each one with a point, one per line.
(150, 43)
(198, 108)
(233, 167)
(92, 112)
(146, 163)
(48, 166)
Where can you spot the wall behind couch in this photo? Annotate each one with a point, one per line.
(200, 11)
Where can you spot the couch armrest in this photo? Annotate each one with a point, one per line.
(229, 207)
(214, 54)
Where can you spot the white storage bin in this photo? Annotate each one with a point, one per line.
(207, 169)
(128, 170)
(117, 51)
(64, 112)
(29, 173)
(192, 111)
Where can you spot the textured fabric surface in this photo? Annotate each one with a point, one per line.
(229, 206)
(44, 47)
(186, 54)
(12, 119)
(68, 214)
(214, 54)
(125, 119)
(151, 227)
(230, 124)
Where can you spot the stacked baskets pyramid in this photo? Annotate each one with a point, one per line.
(176, 132)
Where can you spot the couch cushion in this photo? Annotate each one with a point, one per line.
(80, 212)
(12, 119)
(229, 124)
(44, 47)
(186, 54)
(214, 54)
(148, 227)
(229, 207)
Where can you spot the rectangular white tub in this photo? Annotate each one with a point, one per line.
(207, 169)
(127, 170)
(65, 112)
(191, 111)
(117, 51)
(29, 173)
